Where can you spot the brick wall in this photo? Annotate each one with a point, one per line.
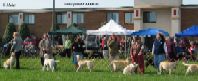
(43, 21)
(95, 19)
(189, 17)
(3, 23)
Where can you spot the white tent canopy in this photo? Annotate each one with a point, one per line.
(110, 28)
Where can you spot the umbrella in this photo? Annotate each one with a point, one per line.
(70, 30)
(189, 32)
(150, 32)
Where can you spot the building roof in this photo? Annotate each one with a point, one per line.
(61, 10)
(189, 6)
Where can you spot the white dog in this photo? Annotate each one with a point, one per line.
(49, 63)
(191, 67)
(9, 63)
(84, 62)
(169, 66)
(130, 68)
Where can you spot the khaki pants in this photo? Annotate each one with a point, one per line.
(112, 57)
(105, 54)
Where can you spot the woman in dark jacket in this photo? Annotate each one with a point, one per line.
(159, 50)
(77, 50)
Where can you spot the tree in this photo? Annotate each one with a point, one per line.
(8, 34)
(24, 31)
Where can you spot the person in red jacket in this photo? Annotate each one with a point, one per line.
(171, 49)
(137, 55)
(104, 47)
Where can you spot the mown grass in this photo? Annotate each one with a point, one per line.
(31, 71)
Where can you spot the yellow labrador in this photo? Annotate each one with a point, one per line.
(191, 68)
(119, 64)
(9, 63)
(84, 62)
(130, 68)
(169, 66)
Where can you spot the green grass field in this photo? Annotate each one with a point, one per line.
(31, 71)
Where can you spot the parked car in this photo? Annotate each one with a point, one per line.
(92, 43)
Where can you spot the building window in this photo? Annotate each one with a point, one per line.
(14, 19)
(78, 18)
(29, 19)
(114, 16)
(61, 18)
(149, 17)
(129, 18)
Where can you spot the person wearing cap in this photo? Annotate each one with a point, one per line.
(17, 47)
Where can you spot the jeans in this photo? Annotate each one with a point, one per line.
(157, 59)
(75, 61)
(105, 54)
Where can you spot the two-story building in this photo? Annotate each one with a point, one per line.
(169, 15)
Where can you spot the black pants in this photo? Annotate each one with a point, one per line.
(67, 52)
(42, 61)
(17, 54)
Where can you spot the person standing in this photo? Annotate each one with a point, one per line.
(113, 48)
(17, 47)
(45, 46)
(77, 50)
(183, 48)
(171, 49)
(137, 55)
(122, 45)
(59, 40)
(104, 47)
(67, 47)
(159, 50)
(193, 51)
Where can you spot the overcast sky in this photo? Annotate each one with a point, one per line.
(190, 1)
